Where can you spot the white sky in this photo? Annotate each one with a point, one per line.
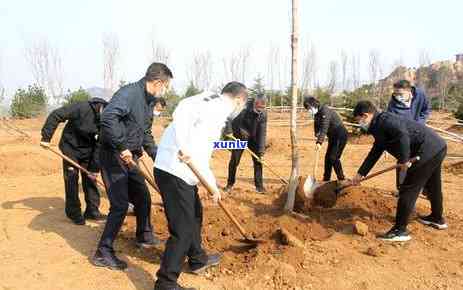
(397, 28)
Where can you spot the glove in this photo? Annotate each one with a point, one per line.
(261, 156)
(318, 146)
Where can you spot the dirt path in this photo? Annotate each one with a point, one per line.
(41, 249)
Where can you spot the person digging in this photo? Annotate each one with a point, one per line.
(197, 123)
(405, 139)
(79, 141)
(250, 125)
(327, 123)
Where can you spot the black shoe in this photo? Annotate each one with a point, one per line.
(78, 220)
(178, 287)
(98, 216)
(395, 235)
(151, 243)
(432, 222)
(109, 260)
(212, 260)
(260, 190)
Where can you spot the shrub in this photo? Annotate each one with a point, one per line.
(29, 103)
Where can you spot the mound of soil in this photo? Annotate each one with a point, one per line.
(455, 168)
(262, 217)
(456, 129)
(360, 139)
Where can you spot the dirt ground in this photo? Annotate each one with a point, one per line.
(41, 249)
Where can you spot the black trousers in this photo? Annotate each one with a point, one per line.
(184, 215)
(426, 175)
(124, 185)
(71, 187)
(336, 145)
(233, 165)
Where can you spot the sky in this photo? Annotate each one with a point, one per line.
(398, 29)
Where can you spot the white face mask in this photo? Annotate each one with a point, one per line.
(156, 113)
(313, 111)
(364, 125)
(238, 108)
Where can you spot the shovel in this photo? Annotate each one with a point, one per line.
(246, 238)
(327, 194)
(74, 164)
(311, 184)
(261, 161)
(145, 175)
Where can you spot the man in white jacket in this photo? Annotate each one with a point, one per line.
(197, 123)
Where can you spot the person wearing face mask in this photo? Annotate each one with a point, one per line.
(159, 106)
(409, 102)
(125, 131)
(405, 139)
(79, 142)
(327, 123)
(250, 125)
(197, 123)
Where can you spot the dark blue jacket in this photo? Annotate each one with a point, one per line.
(403, 139)
(127, 120)
(419, 109)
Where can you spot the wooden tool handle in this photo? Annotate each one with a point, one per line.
(413, 160)
(210, 190)
(315, 168)
(261, 161)
(146, 176)
(73, 163)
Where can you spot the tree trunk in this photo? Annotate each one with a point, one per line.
(294, 77)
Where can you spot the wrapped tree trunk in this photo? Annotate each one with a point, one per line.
(293, 181)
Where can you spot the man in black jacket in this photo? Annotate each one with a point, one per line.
(405, 139)
(125, 131)
(328, 123)
(250, 125)
(79, 142)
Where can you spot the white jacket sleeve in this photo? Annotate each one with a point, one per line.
(184, 118)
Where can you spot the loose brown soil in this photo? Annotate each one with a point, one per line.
(41, 249)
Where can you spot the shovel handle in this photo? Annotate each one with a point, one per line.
(315, 168)
(413, 160)
(73, 163)
(261, 161)
(210, 190)
(145, 175)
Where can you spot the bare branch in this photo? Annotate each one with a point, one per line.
(159, 52)
(309, 67)
(424, 58)
(46, 67)
(355, 70)
(236, 66)
(333, 76)
(273, 65)
(111, 56)
(374, 66)
(344, 59)
(200, 72)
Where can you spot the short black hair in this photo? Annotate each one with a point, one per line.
(364, 107)
(158, 71)
(161, 101)
(234, 89)
(402, 84)
(310, 101)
